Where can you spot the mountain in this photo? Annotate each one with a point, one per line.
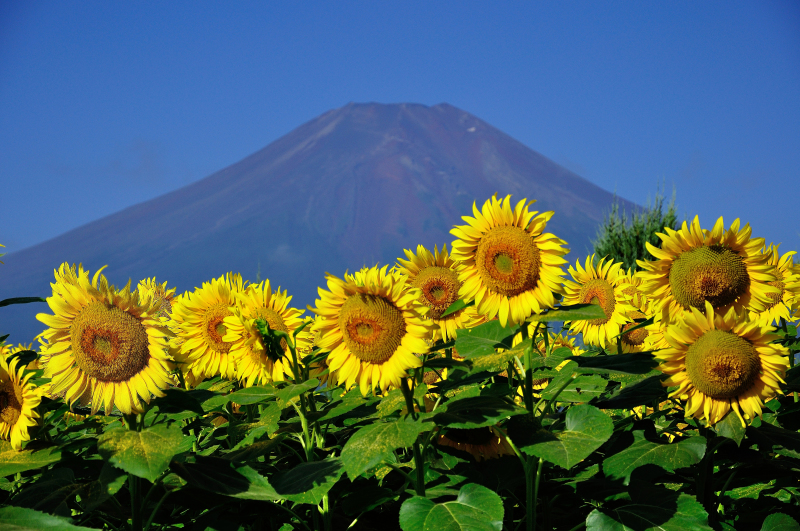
(351, 187)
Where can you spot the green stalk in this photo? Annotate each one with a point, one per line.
(704, 487)
(326, 513)
(133, 485)
(531, 492)
(419, 464)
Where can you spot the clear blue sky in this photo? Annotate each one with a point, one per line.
(107, 104)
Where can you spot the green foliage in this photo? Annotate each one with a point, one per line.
(596, 443)
(623, 238)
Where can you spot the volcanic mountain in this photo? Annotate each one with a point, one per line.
(355, 186)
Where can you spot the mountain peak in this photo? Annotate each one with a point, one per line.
(352, 187)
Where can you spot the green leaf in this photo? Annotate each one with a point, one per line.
(587, 428)
(253, 395)
(645, 392)
(731, 427)
(249, 452)
(484, 339)
(308, 482)
(109, 482)
(13, 461)
(780, 522)
(371, 444)
(642, 452)
(396, 400)
(494, 362)
(266, 425)
(145, 453)
(475, 412)
(21, 519)
(20, 300)
(633, 363)
(581, 389)
(291, 391)
(575, 312)
(768, 435)
(456, 306)
(50, 493)
(476, 509)
(221, 476)
(177, 400)
(670, 515)
(346, 406)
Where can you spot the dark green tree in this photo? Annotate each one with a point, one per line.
(623, 239)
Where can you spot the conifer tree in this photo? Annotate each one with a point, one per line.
(623, 239)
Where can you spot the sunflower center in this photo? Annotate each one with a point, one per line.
(600, 292)
(372, 327)
(109, 344)
(710, 273)
(10, 407)
(776, 298)
(636, 337)
(214, 329)
(439, 287)
(508, 260)
(721, 364)
(476, 436)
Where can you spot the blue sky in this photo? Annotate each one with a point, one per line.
(104, 105)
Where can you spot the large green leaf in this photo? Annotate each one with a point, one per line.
(371, 444)
(21, 519)
(484, 339)
(176, 400)
(575, 312)
(633, 363)
(395, 400)
(252, 395)
(645, 392)
(308, 482)
(12, 461)
(475, 412)
(145, 453)
(267, 424)
(221, 476)
(731, 427)
(642, 452)
(50, 493)
(769, 436)
(476, 509)
(286, 394)
(582, 388)
(587, 428)
(780, 522)
(670, 515)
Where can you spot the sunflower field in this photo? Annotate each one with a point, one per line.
(489, 386)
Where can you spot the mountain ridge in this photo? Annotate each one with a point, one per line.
(353, 186)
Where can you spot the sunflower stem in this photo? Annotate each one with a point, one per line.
(704, 487)
(532, 492)
(133, 484)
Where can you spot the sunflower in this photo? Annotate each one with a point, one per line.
(163, 296)
(103, 345)
(482, 443)
(198, 322)
(603, 286)
(18, 400)
(436, 275)
(695, 266)
(373, 325)
(253, 365)
(722, 362)
(783, 304)
(511, 269)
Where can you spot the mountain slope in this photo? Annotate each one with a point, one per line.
(354, 186)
